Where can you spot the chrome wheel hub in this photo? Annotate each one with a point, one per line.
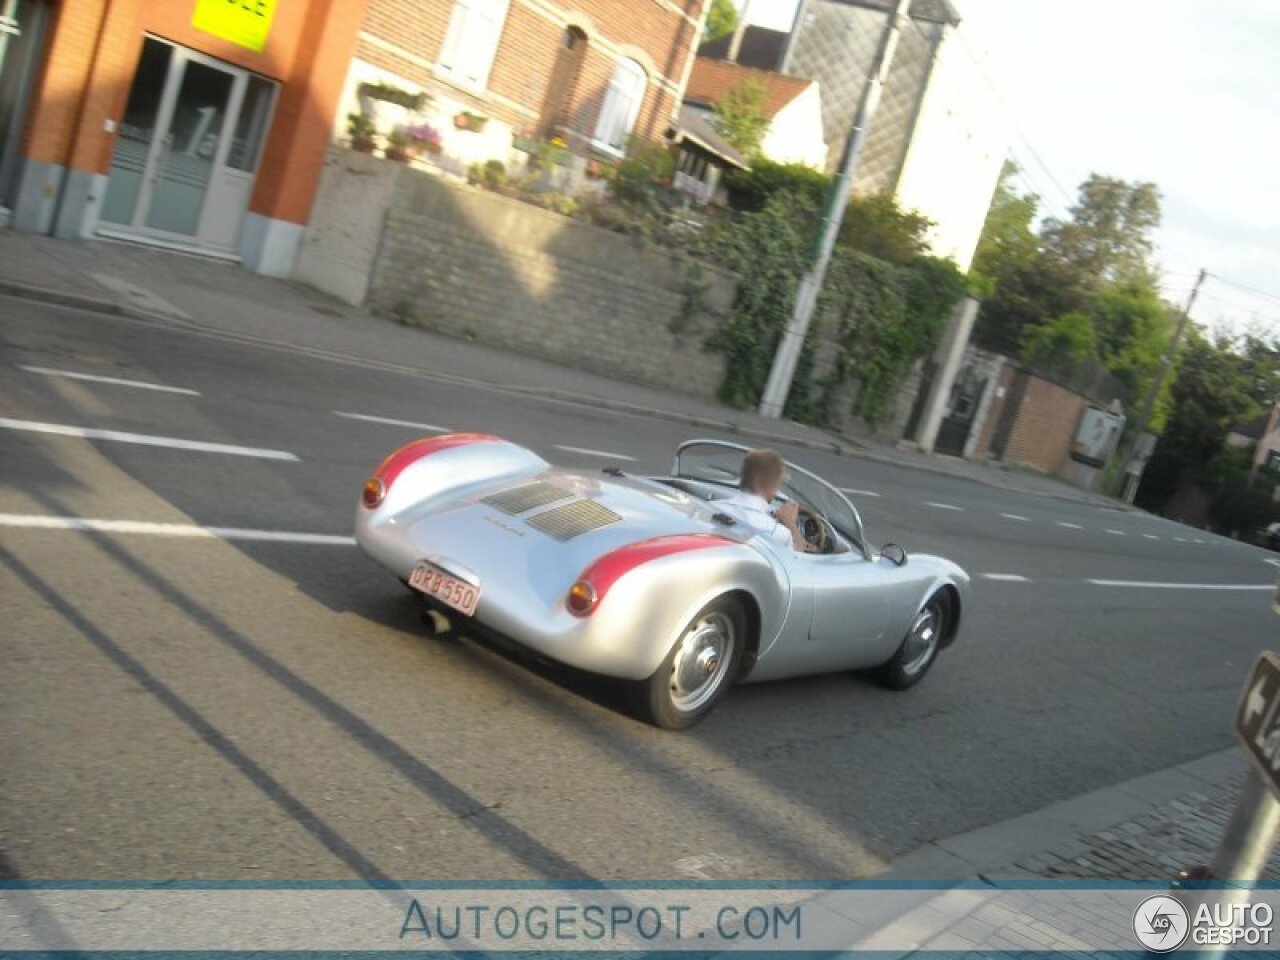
(702, 661)
(922, 641)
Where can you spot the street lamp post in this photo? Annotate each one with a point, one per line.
(810, 286)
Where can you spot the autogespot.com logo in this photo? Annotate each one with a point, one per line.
(1161, 923)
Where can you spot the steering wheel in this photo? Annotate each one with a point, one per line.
(813, 530)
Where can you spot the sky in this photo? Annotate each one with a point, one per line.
(1182, 93)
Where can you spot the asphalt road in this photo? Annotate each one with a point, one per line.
(180, 706)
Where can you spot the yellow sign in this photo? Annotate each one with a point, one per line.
(244, 22)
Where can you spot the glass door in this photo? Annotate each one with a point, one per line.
(21, 45)
(188, 148)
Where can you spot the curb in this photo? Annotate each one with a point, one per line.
(60, 298)
(833, 445)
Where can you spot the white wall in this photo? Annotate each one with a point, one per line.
(464, 147)
(795, 136)
(954, 159)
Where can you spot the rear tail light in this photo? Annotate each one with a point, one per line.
(589, 590)
(375, 491)
(582, 598)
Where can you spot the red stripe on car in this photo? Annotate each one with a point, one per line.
(410, 453)
(607, 570)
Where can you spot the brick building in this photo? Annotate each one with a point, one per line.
(203, 124)
(198, 124)
(593, 73)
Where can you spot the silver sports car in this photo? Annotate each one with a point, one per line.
(645, 579)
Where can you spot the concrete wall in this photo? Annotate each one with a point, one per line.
(466, 262)
(345, 231)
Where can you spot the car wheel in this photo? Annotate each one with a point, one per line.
(919, 647)
(698, 670)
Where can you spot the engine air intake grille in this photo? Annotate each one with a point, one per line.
(524, 498)
(572, 519)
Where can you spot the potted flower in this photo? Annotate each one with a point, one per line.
(466, 120)
(558, 152)
(398, 146)
(424, 138)
(361, 131)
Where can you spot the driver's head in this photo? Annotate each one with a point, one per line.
(762, 473)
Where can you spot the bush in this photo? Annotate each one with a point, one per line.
(643, 174)
(882, 316)
(750, 190)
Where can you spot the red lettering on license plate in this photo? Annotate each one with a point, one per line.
(445, 587)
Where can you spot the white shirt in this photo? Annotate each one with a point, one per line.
(753, 510)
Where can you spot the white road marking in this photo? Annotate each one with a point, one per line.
(85, 524)
(395, 423)
(1007, 577)
(1200, 541)
(1180, 586)
(1070, 526)
(89, 433)
(114, 381)
(1151, 536)
(1272, 561)
(1016, 516)
(859, 493)
(587, 452)
(1180, 539)
(1116, 533)
(942, 506)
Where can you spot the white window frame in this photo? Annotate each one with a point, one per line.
(471, 42)
(630, 79)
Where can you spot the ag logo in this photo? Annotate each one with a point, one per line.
(1161, 924)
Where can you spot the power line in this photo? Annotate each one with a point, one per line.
(1254, 308)
(1274, 298)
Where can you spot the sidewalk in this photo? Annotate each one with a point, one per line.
(1143, 830)
(223, 299)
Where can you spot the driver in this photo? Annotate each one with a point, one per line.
(762, 475)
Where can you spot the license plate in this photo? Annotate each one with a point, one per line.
(445, 587)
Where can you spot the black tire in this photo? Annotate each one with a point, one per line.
(712, 641)
(912, 661)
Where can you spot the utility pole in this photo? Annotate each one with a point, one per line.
(784, 361)
(1153, 392)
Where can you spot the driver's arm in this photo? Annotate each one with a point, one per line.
(788, 515)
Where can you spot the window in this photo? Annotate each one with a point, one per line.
(621, 105)
(471, 41)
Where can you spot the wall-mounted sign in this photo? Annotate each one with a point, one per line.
(243, 22)
(1097, 437)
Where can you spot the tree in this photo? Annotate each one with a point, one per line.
(1108, 235)
(1008, 240)
(1060, 344)
(1219, 384)
(740, 116)
(722, 19)
(1133, 326)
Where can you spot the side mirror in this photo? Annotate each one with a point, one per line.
(895, 553)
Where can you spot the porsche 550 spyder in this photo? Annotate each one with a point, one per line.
(646, 579)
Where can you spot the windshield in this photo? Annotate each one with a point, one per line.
(715, 461)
